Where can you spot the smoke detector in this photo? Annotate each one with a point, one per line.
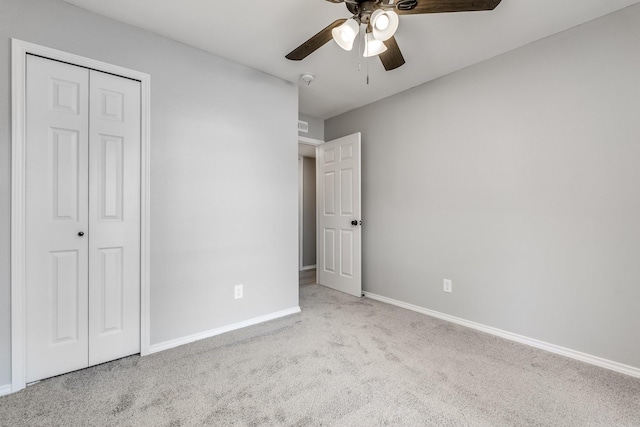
(306, 78)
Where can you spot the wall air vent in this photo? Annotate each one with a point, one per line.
(303, 126)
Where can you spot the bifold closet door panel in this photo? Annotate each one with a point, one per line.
(114, 217)
(56, 218)
(82, 285)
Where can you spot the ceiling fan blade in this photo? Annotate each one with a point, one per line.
(444, 6)
(392, 57)
(314, 43)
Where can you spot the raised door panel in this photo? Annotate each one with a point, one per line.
(346, 152)
(65, 96)
(56, 211)
(65, 297)
(111, 105)
(329, 252)
(110, 198)
(329, 202)
(329, 156)
(65, 174)
(346, 192)
(346, 253)
(111, 290)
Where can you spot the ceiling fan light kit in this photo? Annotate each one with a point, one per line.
(373, 46)
(384, 24)
(382, 19)
(346, 34)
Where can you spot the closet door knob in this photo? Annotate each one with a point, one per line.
(80, 233)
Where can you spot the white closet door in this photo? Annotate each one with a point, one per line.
(56, 212)
(114, 218)
(82, 218)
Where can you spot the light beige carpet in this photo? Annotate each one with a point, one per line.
(343, 361)
(307, 277)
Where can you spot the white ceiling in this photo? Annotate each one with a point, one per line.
(260, 33)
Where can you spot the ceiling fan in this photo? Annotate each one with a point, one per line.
(381, 20)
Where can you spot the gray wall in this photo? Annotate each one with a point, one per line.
(223, 171)
(316, 127)
(518, 179)
(309, 212)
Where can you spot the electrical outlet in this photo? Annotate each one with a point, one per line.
(238, 292)
(447, 285)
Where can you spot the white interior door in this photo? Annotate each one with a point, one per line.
(114, 217)
(56, 211)
(82, 218)
(339, 215)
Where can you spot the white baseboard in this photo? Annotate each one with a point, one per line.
(213, 332)
(308, 267)
(573, 354)
(5, 389)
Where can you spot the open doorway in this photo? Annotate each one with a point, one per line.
(307, 211)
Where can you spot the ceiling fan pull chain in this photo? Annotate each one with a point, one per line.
(367, 70)
(365, 52)
(359, 47)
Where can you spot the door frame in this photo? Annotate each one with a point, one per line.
(300, 211)
(19, 51)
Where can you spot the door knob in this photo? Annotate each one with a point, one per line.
(80, 233)
(356, 222)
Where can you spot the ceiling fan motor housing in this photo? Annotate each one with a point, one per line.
(362, 9)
